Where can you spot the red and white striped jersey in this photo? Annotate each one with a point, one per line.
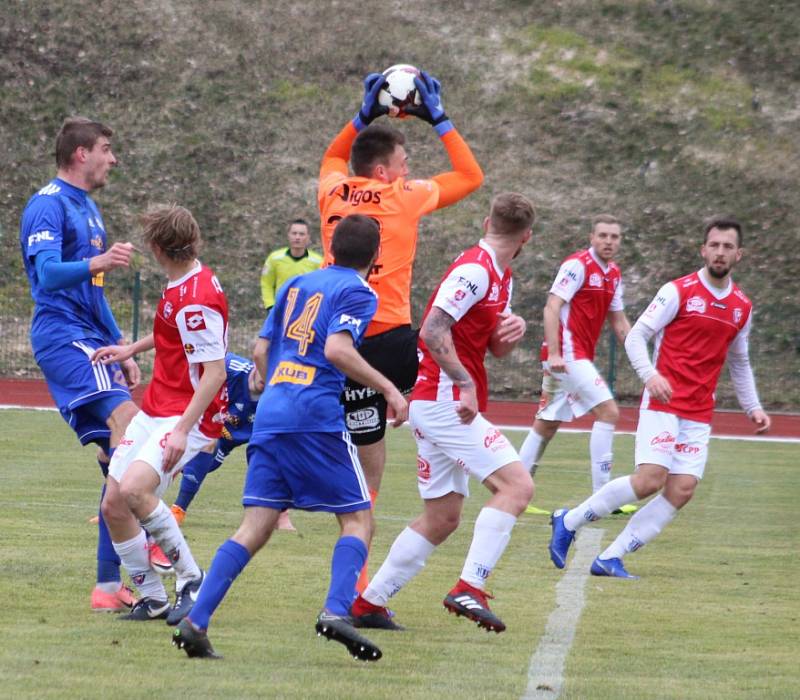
(190, 327)
(591, 290)
(695, 326)
(474, 291)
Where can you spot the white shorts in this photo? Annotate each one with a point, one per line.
(579, 390)
(676, 443)
(449, 452)
(144, 441)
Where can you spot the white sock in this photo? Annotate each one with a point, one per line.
(406, 558)
(164, 529)
(600, 454)
(642, 527)
(531, 451)
(136, 560)
(492, 534)
(614, 494)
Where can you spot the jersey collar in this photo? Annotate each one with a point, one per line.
(718, 293)
(71, 190)
(597, 259)
(485, 246)
(176, 283)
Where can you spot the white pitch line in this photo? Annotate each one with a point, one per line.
(546, 670)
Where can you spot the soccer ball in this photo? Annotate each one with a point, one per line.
(399, 91)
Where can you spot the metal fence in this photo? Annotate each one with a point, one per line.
(516, 377)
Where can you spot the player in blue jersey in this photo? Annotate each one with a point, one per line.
(245, 386)
(66, 256)
(300, 454)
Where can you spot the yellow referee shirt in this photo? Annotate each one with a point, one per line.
(281, 266)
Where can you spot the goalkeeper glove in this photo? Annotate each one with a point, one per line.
(431, 109)
(371, 109)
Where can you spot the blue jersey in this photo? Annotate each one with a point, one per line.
(64, 218)
(238, 425)
(303, 387)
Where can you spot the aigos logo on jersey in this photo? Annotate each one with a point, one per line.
(695, 305)
(423, 469)
(195, 321)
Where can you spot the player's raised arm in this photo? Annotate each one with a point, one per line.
(466, 175)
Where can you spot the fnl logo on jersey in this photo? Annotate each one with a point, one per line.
(195, 321)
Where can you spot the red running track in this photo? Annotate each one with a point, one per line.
(33, 393)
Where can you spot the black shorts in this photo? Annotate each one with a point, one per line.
(393, 354)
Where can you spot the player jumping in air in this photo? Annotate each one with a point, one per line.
(380, 188)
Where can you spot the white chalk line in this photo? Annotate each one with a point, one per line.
(546, 670)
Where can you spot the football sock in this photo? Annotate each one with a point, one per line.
(614, 494)
(194, 473)
(363, 577)
(643, 527)
(136, 561)
(492, 534)
(227, 564)
(107, 559)
(164, 530)
(600, 444)
(348, 559)
(406, 559)
(532, 450)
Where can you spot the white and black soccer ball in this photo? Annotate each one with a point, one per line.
(399, 90)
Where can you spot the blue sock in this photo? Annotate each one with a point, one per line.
(107, 559)
(194, 472)
(348, 559)
(227, 564)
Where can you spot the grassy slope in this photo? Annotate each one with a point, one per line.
(714, 616)
(660, 112)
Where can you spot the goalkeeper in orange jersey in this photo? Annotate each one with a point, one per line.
(380, 188)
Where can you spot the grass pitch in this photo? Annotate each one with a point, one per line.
(715, 614)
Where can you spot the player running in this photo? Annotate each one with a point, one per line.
(300, 454)
(245, 386)
(587, 290)
(64, 248)
(181, 413)
(697, 321)
(380, 188)
(468, 313)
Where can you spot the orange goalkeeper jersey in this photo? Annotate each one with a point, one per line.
(397, 207)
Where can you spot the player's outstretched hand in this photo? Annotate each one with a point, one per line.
(174, 447)
(762, 421)
(659, 388)
(109, 354)
(118, 255)
(371, 109)
(467, 407)
(399, 407)
(430, 109)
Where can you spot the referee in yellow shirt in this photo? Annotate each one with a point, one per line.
(285, 263)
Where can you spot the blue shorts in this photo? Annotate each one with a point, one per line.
(305, 471)
(85, 394)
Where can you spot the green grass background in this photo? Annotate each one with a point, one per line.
(714, 616)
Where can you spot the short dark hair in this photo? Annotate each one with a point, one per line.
(722, 223)
(173, 229)
(511, 214)
(604, 219)
(373, 146)
(356, 240)
(77, 132)
(301, 221)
